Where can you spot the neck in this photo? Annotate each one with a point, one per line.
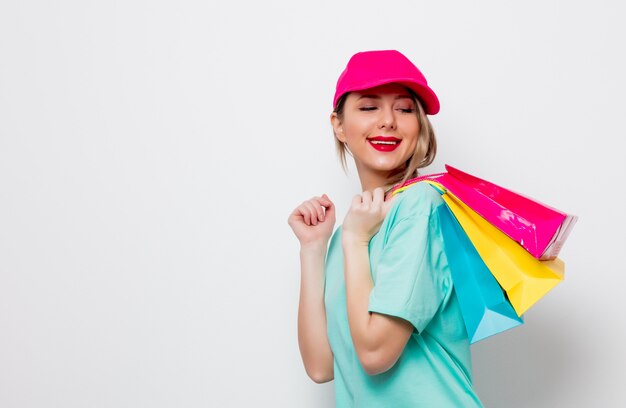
(371, 179)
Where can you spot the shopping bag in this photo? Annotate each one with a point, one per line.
(484, 307)
(524, 278)
(540, 229)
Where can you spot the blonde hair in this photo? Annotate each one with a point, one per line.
(424, 153)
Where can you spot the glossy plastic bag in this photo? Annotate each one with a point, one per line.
(540, 229)
(484, 306)
(524, 278)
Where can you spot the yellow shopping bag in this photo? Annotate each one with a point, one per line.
(524, 278)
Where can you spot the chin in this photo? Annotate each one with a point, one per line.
(387, 163)
(386, 166)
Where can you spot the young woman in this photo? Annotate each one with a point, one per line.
(377, 311)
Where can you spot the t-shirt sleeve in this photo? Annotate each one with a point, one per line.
(409, 280)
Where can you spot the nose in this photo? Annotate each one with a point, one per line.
(387, 118)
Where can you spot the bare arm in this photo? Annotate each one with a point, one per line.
(313, 222)
(312, 335)
(378, 339)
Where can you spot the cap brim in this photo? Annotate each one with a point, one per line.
(427, 96)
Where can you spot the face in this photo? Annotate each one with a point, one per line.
(380, 127)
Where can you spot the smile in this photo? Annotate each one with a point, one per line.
(384, 144)
(381, 142)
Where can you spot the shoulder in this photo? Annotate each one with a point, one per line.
(419, 199)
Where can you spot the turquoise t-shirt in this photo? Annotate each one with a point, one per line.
(411, 281)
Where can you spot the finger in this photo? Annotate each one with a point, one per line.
(297, 212)
(325, 201)
(318, 211)
(294, 217)
(330, 207)
(305, 213)
(357, 200)
(378, 196)
(367, 197)
(312, 212)
(319, 207)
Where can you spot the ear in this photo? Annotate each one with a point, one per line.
(337, 127)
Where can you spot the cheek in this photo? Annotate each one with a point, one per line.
(410, 145)
(411, 128)
(358, 128)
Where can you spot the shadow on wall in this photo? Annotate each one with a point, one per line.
(531, 365)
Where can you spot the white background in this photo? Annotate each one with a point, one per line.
(151, 151)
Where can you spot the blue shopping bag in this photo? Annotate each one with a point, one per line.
(485, 308)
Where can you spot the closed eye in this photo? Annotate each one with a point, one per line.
(371, 108)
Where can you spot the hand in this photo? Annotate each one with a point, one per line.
(365, 216)
(313, 221)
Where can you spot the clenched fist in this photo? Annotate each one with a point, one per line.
(365, 216)
(313, 221)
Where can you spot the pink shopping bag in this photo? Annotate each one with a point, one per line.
(538, 228)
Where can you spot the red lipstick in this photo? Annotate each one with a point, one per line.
(384, 143)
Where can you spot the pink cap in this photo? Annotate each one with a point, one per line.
(368, 69)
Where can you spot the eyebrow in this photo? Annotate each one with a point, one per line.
(378, 97)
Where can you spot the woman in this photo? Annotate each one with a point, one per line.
(377, 308)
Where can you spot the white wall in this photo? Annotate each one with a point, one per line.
(151, 151)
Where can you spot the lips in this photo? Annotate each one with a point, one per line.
(384, 143)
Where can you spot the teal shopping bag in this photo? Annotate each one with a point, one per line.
(485, 308)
